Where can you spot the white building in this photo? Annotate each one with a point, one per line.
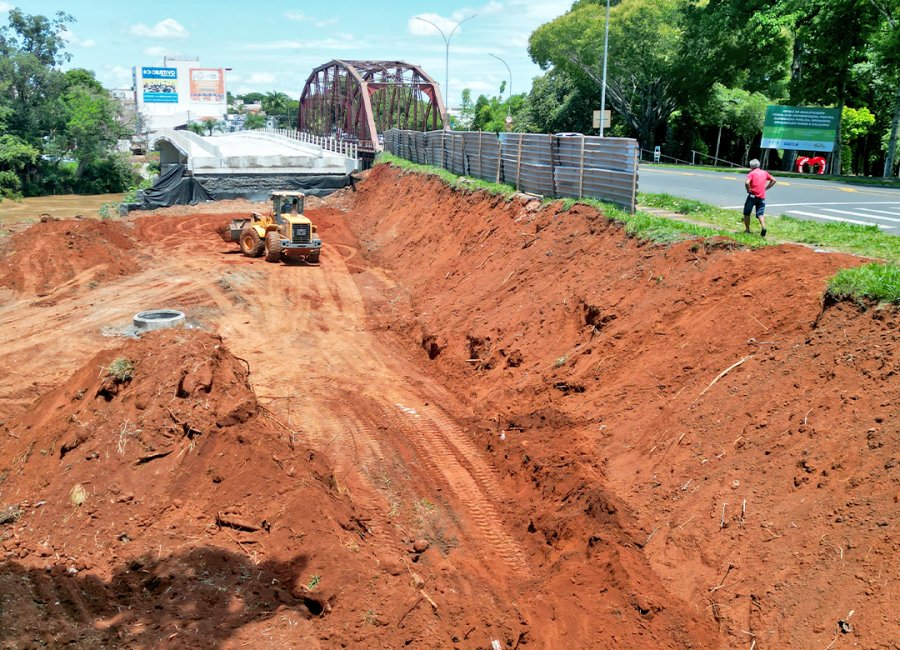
(178, 92)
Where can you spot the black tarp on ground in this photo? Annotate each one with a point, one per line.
(258, 187)
(174, 187)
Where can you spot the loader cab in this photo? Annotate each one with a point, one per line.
(285, 204)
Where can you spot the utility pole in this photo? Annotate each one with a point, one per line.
(603, 88)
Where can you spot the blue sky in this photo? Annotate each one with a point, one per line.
(274, 44)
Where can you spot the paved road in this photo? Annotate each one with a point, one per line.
(797, 197)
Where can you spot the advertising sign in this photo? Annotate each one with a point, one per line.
(208, 85)
(798, 127)
(159, 85)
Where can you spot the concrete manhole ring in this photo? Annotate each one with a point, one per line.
(157, 319)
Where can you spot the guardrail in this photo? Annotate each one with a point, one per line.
(556, 166)
(649, 156)
(349, 149)
(716, 161)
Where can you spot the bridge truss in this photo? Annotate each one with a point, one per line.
(355, 101)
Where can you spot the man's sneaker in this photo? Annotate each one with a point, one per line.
(762, 233)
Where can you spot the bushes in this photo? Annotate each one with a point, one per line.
(106, 176)
(109, 175)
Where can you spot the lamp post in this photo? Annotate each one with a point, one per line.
(605, 56)
(508, 92)
(446, 53)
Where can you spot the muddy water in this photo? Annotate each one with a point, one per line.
(61, 206)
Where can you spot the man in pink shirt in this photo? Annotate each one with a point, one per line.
(758, 181)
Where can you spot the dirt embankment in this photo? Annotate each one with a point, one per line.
(152, 458)
(688, 405)
(476, 420)
(64, 254)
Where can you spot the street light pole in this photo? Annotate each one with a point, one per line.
(605, 56)
(509, 90)
(446, 54)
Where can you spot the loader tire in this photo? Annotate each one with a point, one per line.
(313, 258)
(273, 246)
(251, 244)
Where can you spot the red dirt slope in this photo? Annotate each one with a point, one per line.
(129, 495)
(57, 254)
(691, 406)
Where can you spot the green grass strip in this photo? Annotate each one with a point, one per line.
(868, 241)
(870, 282)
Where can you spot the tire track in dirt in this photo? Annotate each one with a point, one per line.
(435, 443)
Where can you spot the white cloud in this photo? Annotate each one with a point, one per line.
(71, 39)
(158, 50)
(542, 11)
(118, 76)
(167, 28)
(419, 25)
(5, 6)
(491, 8)
(262, 78)
(344, 41)
(303, 18)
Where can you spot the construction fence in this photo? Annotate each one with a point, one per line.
(559, 166)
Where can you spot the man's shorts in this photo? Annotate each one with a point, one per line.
(758, 203)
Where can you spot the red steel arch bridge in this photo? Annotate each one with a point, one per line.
(356, 101)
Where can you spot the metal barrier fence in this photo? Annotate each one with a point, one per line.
(346, 148)
(558, 166)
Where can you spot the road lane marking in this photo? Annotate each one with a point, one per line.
(829, 218)
(895, 213)
(860, 214)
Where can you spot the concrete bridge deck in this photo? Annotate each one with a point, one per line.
(247, 152)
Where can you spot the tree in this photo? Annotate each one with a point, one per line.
(829, 38)
(855, 126)
(644, 45)
(15, 158)
(59, 115)
(557, 103)
(280, 106)
(255, 121)
(886, 52)
(211, 124)
(466, 111)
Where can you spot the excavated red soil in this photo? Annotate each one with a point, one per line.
(476, 420)
(56, 254)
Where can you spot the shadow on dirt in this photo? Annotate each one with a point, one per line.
(199, 598)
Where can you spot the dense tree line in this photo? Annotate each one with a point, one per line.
(697, 75)
(59, 129)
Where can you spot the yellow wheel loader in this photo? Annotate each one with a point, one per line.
(284, 234)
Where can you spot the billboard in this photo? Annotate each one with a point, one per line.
(799, 127)
(207, 85)
(159, 85)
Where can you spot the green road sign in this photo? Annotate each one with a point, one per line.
(800, 127)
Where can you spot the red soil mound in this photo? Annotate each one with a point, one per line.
(69, 252)
(154, 476)
(688, 406)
